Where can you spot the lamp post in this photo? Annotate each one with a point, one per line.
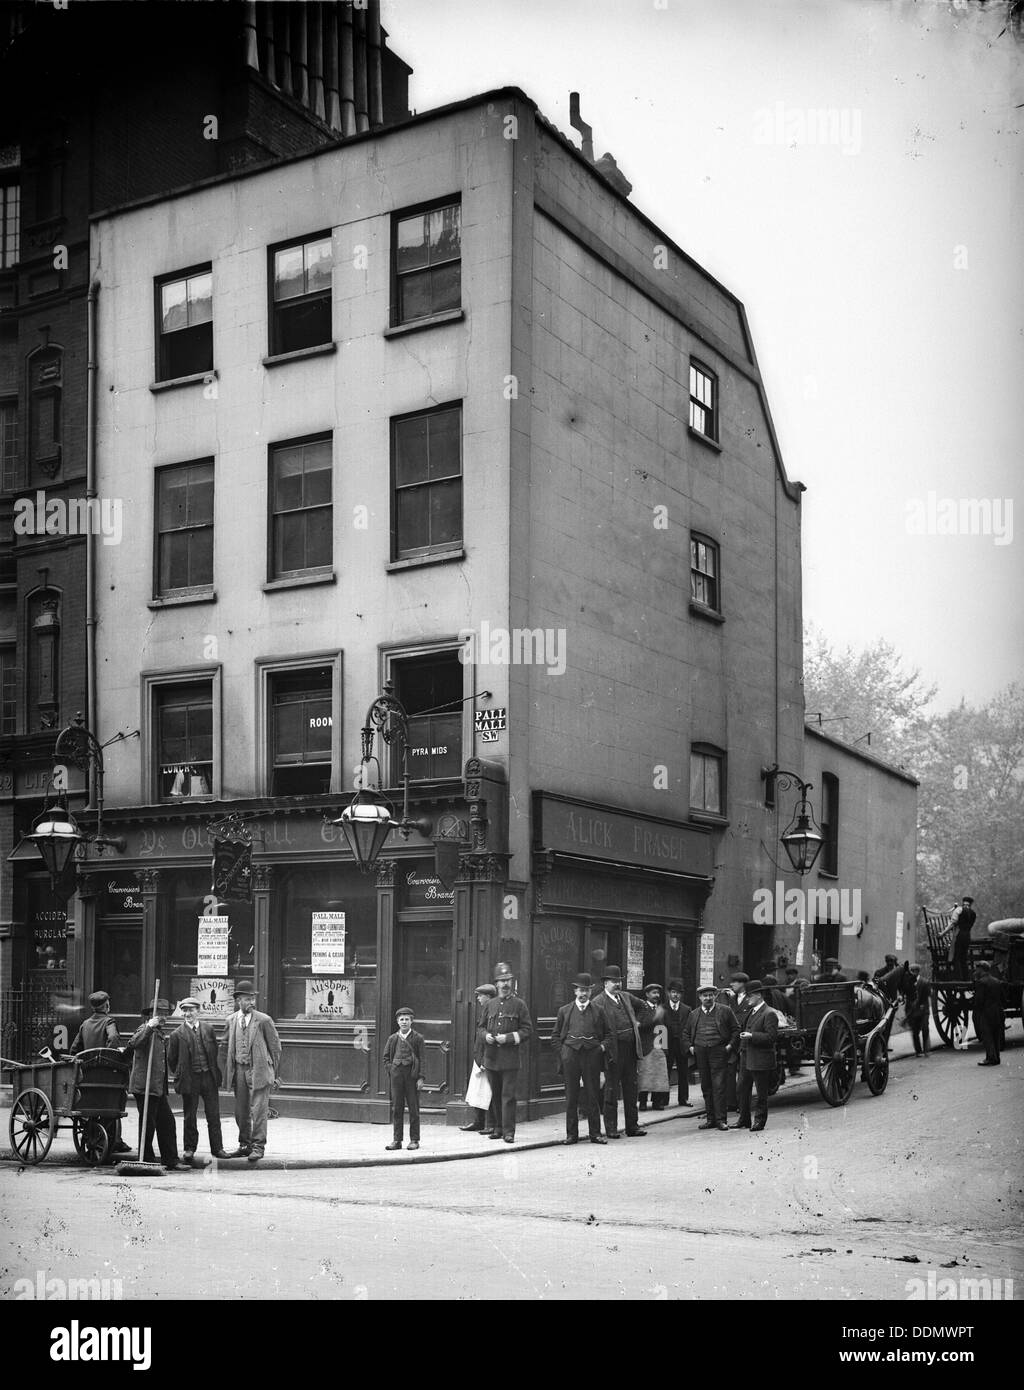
(801, 839)
(369, 818)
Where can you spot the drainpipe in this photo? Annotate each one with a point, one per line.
(90, 539)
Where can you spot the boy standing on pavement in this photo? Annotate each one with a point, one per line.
(403, 1062)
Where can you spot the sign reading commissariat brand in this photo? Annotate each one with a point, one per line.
(600, 832)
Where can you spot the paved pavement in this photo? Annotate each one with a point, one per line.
(298, 1143)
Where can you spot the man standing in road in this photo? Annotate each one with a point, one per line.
(579, 1039)
(623, 1013)
(192, 1059)
(506, 1026)
(963, 918)
(713, 1035)
(987, 1007)
(916, 1012)
(677, 1053)
(254, 1060)
(757, 1059)
(736, 998)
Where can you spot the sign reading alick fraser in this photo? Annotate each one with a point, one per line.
(598, 832)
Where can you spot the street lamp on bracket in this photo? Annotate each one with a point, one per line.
(802, 838)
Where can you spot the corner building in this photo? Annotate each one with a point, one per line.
(435, 405)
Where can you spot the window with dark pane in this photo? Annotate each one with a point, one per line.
(8, 690)
(185, 325)
(301, 303)
(9, 471)
(184, 741)
(45, 418)
(829, 862)
(430, 688)
(184, 550)
(427, 483)
(10, 224)
(301, 512)
(704, 572)
(301, 730)
(704, 401)
(706, 790)
(427, 254)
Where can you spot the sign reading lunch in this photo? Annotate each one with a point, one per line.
(598, 832)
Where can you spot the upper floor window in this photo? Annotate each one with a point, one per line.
(185, 324)
(184, 531)
(301, 513)
(10, 224)
(301, 295)
(45, 420)
(707, 779)
(703, 401)
(44, 659)
(427, 265)
(8, 445)
(829, 861)
(426, 482)
(431, 689)
(183, 744)
(704, 572)
(8, 690)
(301, 731)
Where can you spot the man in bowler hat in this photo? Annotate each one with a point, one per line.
(623, 1014)
(714, 1036)
(987, 1013)
(192, 1059)
(677, 1053)
(506, 1026)
(483, 1121)
(757, 1059)
(254, 1061)
(579, 1039)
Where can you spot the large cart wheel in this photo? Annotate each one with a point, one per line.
(91, 1140)
(32, 1126)
(776, 1078)
(951, 1010)
(876, 1064)
(835, 1058)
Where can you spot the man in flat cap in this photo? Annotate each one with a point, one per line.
(159, 1115)
(758, 1059)
(100, 1030)
(192, 1059)
(483, 1121)
(254, 1061)
(580, 1037)
(832, 973)
(963, 918)
(624, 1014)
(506, 1026)
(714, 1036)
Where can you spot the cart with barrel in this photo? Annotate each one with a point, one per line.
(844, 1027)
(952, 998)
(85, 1093)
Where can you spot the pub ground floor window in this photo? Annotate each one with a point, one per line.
(119, 964)
(423, 976)
(177, 953)
(328, 966)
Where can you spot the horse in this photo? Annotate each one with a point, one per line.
(873, 997)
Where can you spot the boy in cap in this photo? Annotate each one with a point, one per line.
(192, 1059)
(403, 1062)
(482, 1121)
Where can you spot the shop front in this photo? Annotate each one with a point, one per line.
(611, 887)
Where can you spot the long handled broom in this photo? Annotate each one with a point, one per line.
(134, 1167)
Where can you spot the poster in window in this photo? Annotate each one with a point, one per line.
(707, 958)
(327, 948)
(634, 958)
(213, 946)
(334, 998)
(899, 931)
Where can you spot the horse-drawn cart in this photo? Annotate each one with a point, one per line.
(88, 1090)
(831, 1024)
(952, 998)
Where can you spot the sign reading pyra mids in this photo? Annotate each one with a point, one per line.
(327, 947)
(213, 946)
(488, 722)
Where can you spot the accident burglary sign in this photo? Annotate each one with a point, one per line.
(487, 723)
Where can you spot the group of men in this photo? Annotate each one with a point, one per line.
(186, 1059)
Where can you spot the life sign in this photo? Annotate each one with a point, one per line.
(488, 722)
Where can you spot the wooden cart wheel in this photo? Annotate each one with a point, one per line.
(778, 1076)
(92, 1140)
(951, 1010)
(835, 1058)
(32, 1126)
(876, 1064)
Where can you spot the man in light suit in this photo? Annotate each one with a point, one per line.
(192, 1060)
(757, 1059)
(254, 1060)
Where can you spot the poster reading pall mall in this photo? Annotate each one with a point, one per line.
(327, 948)
(213, 946)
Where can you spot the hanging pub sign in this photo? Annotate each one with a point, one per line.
(327, 946)
(634, 958)
(488, 722)
(213, 945)
(330, 998)
(216, 996)
(707, 958)
(232, 870)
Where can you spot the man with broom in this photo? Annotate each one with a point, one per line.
(150, 1061)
